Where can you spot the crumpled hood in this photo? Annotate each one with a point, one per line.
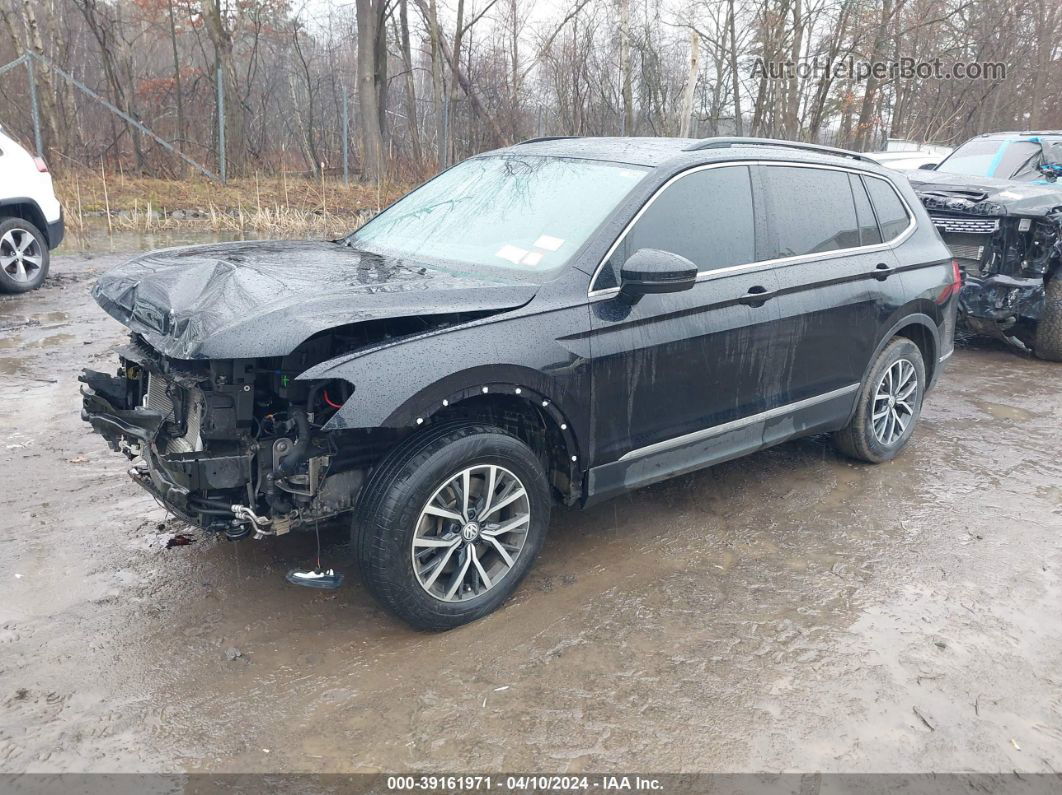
(252, 299)
(984, 195)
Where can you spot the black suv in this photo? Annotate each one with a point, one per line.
(559, 321)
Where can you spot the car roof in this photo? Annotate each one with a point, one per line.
(654, 152)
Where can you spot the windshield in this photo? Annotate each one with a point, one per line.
(523, 213)
(995, 158)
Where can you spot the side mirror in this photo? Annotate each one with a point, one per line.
(650, 270)
(929, 166)
(1051, 171)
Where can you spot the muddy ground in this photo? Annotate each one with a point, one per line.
(789, 611)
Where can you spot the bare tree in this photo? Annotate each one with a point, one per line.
(446, 78)
(686, 109)
(370, 18)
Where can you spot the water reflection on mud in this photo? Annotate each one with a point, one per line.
(96, 240)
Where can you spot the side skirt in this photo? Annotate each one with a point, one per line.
(684, 454)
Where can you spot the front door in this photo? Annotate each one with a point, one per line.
(679, 379)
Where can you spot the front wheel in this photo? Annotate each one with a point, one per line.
(450, 523)
(23, 256)
(1048, 342)
(890, 404)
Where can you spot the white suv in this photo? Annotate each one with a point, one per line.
(31, 220)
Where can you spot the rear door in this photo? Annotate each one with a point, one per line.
(837, 282)
(677, 376)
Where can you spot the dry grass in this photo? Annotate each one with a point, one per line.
(277, 205)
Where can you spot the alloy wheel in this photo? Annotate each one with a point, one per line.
(894, 402)
(20, 255)
(470, 533)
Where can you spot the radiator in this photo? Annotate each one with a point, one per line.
(158, 399)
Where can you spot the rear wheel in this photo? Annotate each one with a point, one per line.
(23, 256)
(450, 524)
(890, 404)
(1048, 342)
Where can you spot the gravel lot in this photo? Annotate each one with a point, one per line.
(789, 611)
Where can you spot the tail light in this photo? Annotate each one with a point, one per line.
(41, 165)
(956, 283)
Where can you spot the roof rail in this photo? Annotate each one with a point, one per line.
(725, 143)
(548, 138)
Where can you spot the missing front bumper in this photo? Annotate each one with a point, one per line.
(176, 479)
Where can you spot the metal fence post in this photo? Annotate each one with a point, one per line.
(222, 165)
(346, 139)
(29, 57)
(34, 107)
(444, 139)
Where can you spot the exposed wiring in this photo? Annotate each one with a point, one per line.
(329, 401)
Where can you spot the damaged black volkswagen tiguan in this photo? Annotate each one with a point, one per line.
(556, 322)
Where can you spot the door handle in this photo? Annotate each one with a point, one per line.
(756, 296)
(882, 271)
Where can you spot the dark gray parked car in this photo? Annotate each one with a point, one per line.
(997, 202)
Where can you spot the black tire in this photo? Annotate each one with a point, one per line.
(11, 276)
(390, 509)
(1048, 342)
(859, 439)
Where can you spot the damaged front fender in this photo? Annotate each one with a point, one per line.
(398, 382)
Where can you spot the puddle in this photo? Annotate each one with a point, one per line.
(13, 365)
(96, 240)
(1002, 411)
(55, 340)
(53, 318)
(19, 341)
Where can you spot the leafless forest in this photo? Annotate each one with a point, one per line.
(426, 82)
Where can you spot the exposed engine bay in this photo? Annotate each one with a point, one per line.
(238, 446)
(206, 400)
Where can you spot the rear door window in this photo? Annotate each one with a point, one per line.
(705, 216)
(892, 215)
(810, 211)
(869, 234)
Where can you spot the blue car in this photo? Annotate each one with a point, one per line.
(997, 202)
